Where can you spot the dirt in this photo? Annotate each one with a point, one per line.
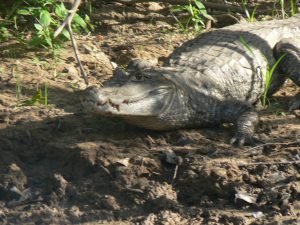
(59, 165)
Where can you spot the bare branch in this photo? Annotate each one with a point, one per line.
(297, 142)
(74, 45)
(69, 17)
(67, 24)
(270, 163)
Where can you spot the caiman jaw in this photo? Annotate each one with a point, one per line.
(112, 101)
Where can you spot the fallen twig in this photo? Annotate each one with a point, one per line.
(270, 163)
(278, 143)
(174, 175)
(176, 148)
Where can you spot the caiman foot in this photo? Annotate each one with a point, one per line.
(245, 128)
(245, 118)
(245, 139)
(295, 103)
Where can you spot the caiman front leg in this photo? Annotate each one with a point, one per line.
(245, 119)
(245, 129)
(295, 102)
(289, 65)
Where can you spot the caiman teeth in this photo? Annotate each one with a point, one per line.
(100, 103)
(116, 106)
(110, 102)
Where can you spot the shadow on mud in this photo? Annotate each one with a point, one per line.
(106, 168)
(72, 160)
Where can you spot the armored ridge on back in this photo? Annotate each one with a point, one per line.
(212, 79)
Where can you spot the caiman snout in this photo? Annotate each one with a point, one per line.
(91, 95)
(95, 99)
(127, 100)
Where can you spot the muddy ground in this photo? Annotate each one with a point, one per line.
(59, 165)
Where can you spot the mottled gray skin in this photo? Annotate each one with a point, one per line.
(210, 80)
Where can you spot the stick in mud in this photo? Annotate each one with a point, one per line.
(67, 24)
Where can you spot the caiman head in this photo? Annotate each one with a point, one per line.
(150, 99)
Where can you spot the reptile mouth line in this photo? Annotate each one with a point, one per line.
(160, 91)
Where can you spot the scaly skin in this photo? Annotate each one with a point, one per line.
(212, 79)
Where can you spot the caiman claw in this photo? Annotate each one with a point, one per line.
(245, 139)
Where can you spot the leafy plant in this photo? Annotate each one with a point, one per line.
(41, 63)
(197, 15)
(38, 98)
(47, 16)
(43, 30)
(4, 34)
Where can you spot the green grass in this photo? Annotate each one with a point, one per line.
(41, 63)
(269, 76)
(283, 13)
(40, 97)
(293, 7)
(250, 17)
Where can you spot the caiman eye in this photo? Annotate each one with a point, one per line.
(139, 76)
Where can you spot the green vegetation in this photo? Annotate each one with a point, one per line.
(40, 96)
(4, 34)
(270, 71)
(250, 17)
(293, 7)
(196, 15)
(282, 8)
(42, 18)
(37, 98)
(32, 23)
(286, 9)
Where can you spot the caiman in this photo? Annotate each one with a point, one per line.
(213, 79)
